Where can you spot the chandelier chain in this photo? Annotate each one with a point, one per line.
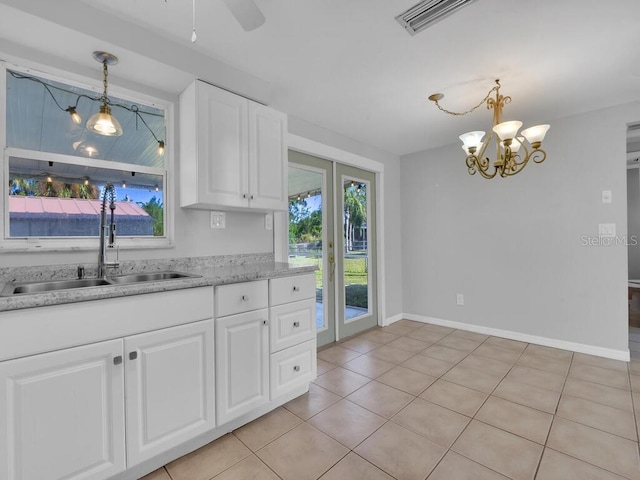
(105, 73)
(483, 101)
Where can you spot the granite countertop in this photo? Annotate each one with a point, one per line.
(208, 275)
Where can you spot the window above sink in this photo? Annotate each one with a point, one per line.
(54, 169)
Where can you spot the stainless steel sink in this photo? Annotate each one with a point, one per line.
(42, 287)
(149, 277)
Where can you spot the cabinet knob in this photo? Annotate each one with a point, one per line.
(296, 324)
(264, 322)
(244, 195)
(296, 368)
(245, 298)
(296, 288)
(133, 355)
(117, 360)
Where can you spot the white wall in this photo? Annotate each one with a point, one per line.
(513, 246)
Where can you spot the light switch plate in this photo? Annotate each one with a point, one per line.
(606, 196)
(459, 299)
(607, 229)
(268, 221)
(218, 220)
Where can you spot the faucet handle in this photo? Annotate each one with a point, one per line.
(112, 234)
(80, 272)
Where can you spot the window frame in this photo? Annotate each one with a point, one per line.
(12, 244)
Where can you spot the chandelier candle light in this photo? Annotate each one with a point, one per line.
(509, 160)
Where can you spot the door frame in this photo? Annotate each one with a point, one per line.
(281, 219)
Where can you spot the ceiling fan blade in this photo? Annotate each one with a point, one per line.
(246, 12)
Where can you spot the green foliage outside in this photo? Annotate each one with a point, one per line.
(35, 188)
(305, 226)
(155, 209)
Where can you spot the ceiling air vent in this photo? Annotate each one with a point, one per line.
(428, 12)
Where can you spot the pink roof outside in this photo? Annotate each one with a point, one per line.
(69, 206)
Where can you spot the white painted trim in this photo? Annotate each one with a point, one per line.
(622, 355)
(305, 145)
(311, 147)
(393, 319)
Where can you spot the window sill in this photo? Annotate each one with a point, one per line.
(80, 245)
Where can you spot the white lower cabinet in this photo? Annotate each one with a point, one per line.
(156, 377)
(242, 363)
(62, 414)
(170, 388)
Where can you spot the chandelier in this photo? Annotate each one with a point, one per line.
(512, 154)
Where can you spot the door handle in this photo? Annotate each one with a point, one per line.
(332, 262)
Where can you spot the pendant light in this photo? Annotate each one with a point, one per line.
(103, 123)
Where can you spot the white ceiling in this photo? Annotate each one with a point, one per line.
(348, 66)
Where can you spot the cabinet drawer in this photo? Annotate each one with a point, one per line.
(292, 367)
(241, 297)
(292, 323)
(292, 289)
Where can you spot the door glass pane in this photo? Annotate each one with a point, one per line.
(356, 249)
(306, 228)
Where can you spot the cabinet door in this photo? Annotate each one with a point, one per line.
(223, 163)
(267, 158)
(62, 414)
(170, 388)
(242, 364)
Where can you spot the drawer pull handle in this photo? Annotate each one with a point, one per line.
(296, 289)
(245, 298)
(117, 360)
(296, 368)
(296, 324)
(133, 355)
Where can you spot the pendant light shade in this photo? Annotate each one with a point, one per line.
(103, 123)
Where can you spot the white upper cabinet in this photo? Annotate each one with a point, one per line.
(233, 151)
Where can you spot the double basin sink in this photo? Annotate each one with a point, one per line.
(44, 287)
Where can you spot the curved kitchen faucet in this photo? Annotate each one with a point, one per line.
(110, 229)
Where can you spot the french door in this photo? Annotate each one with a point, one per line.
(332, 225)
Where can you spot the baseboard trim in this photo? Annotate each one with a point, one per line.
(392, 319)
(623, 355)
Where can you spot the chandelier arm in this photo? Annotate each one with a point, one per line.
(538, 156)
(480, 165)
(484, 100)
(489, 176)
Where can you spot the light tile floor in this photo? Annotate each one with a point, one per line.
(417, 401)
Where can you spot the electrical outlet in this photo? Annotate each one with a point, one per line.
(460, 299)
(218, 220)
(268, 221)
(606, 196)
(607, 229)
